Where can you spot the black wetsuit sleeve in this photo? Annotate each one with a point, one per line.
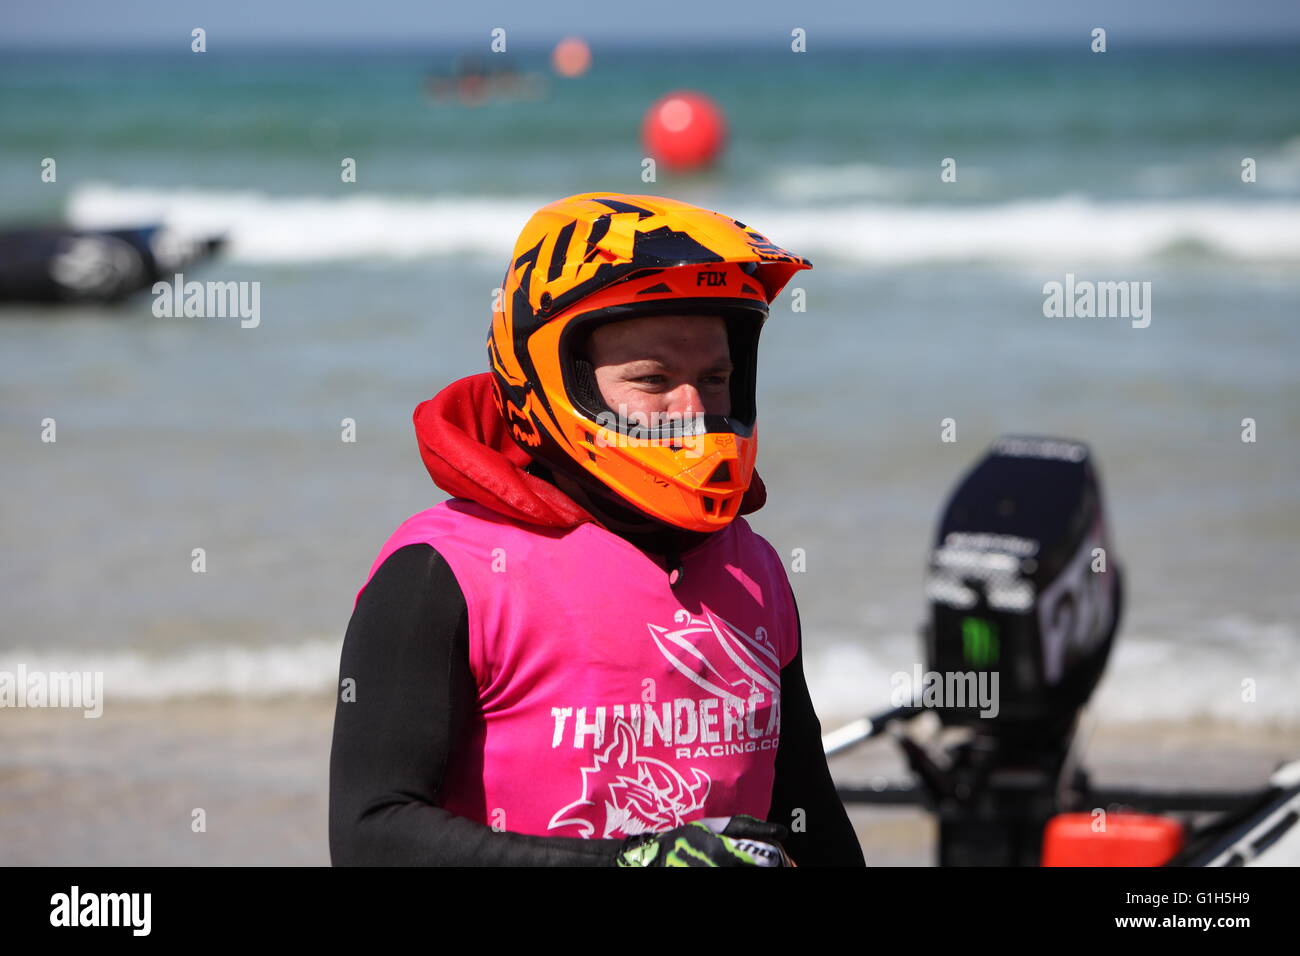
(821, 835)
(407, 653)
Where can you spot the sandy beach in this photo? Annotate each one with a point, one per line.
(122, 789)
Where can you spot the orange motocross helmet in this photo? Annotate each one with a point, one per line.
(601, 257)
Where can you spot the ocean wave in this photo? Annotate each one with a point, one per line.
(1148, 679)
(1068, 229)
(308, 668)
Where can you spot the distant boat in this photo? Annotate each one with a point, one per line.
(61, 265)
(472, 83)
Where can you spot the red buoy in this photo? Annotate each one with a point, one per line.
(684, 130)
(571, 57)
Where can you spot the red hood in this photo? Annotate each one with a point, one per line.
(469, 454)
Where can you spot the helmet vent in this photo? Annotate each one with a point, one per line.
(585, 387)
(659, 289)
(720, 474)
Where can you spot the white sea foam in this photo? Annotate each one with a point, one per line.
(1070, 229)
(260, 228)
(1148, 679)
(310, 667)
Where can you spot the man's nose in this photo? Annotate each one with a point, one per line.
(685, 400)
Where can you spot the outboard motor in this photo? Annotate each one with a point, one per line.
(1025, 596)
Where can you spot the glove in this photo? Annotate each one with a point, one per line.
(713, 841)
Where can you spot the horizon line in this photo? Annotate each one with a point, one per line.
(1054, 41)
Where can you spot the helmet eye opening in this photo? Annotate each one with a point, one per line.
(744, 324)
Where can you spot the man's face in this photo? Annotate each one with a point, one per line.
(665, 364)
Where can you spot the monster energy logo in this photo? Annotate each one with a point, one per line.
(979, 641)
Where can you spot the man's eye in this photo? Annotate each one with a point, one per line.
(717, 380)
(649, 379)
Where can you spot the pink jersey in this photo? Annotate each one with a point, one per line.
(612, 702)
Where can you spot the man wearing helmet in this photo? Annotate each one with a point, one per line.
(586, 656)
